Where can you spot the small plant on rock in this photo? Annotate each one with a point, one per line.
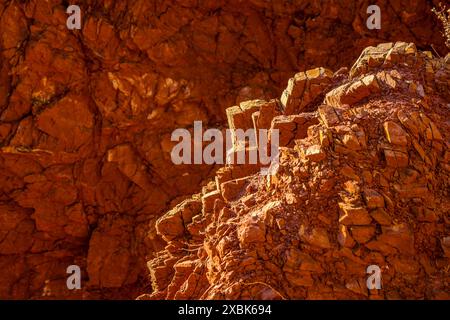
(444, 15)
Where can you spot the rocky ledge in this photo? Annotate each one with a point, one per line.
(363, 180)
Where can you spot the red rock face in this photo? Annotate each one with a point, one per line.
(86, 118)
(364, 188)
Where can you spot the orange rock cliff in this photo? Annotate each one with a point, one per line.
(86, 176)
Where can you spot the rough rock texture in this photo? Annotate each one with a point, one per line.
(86, 117)
(368, 184)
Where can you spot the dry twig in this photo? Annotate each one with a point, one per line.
(444, 15)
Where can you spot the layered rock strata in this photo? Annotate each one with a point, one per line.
(363, 181)
(86, 117)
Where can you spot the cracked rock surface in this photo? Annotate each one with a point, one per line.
(86, 117)
(367, 184)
